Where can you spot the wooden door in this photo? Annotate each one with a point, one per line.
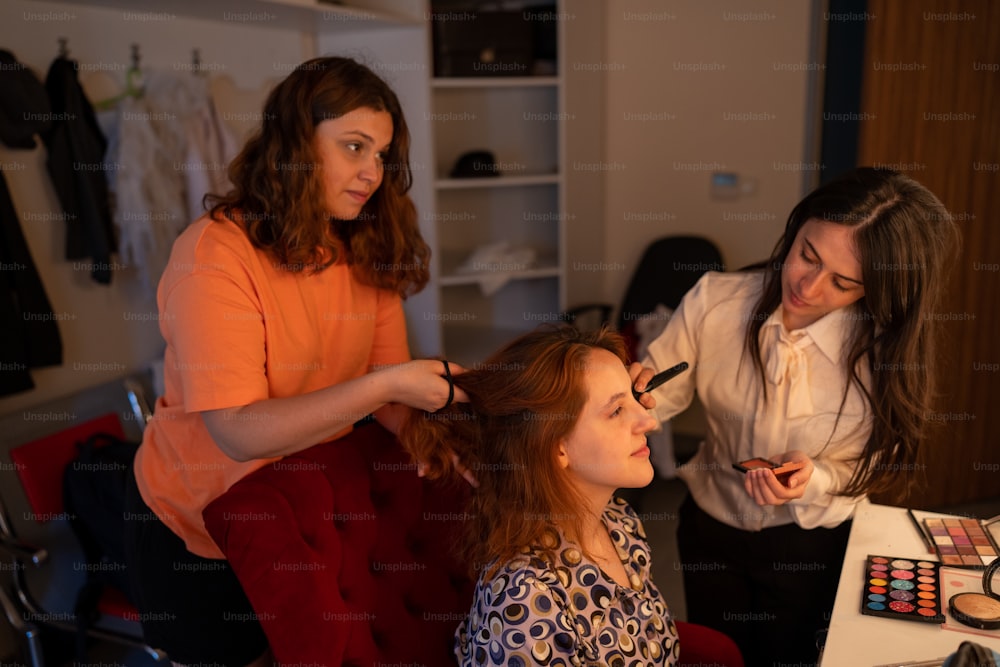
(931, 107)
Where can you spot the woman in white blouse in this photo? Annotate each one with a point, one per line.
(822, 357)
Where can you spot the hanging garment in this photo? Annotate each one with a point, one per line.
(148, 190)
(211, 146)
(76, 166)
(29, 334)
(24, 104)
(170, 149)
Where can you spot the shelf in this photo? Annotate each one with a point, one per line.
(475, 278)
(304, 15)
(519, 121)
(496, 181)
(495, 81)
(542, 263)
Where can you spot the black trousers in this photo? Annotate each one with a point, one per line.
(191, 607)
(771, 591)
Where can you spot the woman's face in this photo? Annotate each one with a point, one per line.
(606, 449)
(821, 273)
(351, 149)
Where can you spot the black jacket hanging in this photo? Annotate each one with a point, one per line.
(24, 104)
(29, 334)
(75, 164)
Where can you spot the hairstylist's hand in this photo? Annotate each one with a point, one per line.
(423, 384)
(640, 378)
(766, 489)
(439, 395)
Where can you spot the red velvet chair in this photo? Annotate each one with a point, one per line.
(348, 558)
(346, 555)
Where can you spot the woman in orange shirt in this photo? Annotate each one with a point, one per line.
(282, 314)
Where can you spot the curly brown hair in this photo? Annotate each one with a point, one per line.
(282, 210)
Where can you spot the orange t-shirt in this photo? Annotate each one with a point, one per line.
(239, 330)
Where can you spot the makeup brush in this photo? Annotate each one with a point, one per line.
(928, 542)
(660, 378)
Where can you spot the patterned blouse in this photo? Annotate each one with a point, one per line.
(530, 613)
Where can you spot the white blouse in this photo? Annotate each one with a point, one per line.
(806, 378)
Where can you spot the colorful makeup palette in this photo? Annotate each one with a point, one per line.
(902, 588)
(961, 542)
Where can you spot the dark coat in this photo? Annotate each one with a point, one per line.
(76, 148)
(24, 104)
(29, 334)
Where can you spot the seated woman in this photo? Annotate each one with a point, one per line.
(550, 431)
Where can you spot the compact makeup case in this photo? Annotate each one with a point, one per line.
(979, 610)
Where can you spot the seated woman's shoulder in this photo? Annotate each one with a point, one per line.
(522, 577)
(526, 566)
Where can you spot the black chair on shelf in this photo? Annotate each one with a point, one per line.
(669, 267)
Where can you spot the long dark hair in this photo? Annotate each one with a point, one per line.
(523, 401)
(904, 237)
(282, 209)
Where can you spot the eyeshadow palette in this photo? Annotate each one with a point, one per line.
(961, 542)
(902, 588)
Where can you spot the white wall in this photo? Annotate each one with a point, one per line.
(695, 86)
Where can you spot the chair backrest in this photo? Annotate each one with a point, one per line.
(346, 555)
(40, 464)
(669, 267)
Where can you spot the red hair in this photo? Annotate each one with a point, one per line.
(523, 401)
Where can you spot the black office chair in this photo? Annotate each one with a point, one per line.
(669, 267)
(42, 554)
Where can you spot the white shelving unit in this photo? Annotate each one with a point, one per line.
(519, 120)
